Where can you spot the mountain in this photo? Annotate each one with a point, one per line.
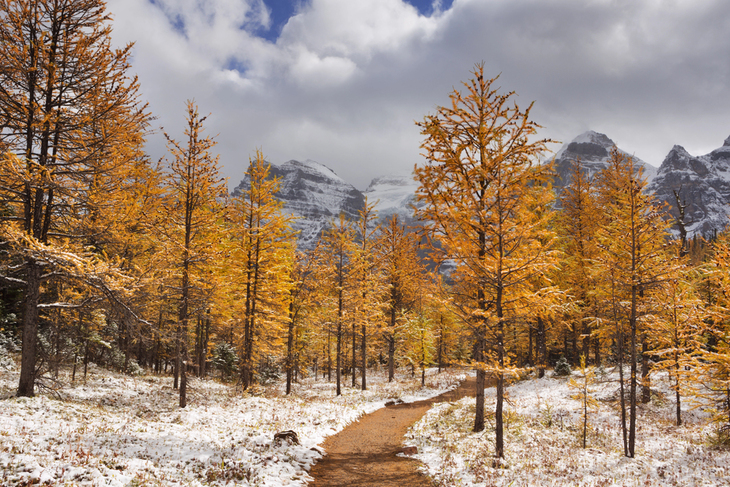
(315, 195)
(703, 184)
(393, 195)
(593, 149)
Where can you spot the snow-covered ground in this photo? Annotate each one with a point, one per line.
(543, 443)
(117, 430)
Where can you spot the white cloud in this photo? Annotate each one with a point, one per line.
(346, 79)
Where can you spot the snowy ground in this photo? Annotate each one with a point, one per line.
(117, 430)
(543, 441)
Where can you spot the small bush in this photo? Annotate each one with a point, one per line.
(225, 359)
(562, 368)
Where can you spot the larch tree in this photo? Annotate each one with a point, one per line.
(367, 286)
(633, 261)
(676, 331)
(400, 263)
(334, 266)
(263, 248)
(715, 355)
(191, 214)
(71, 118)
(578, 223)
(479, 187)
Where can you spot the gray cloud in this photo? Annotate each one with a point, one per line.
(345, 81)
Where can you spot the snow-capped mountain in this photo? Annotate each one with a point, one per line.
(315, 195)
(593, 149)
(393, 195)
(703, 184)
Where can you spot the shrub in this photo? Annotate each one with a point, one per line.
(225, 359)
(562, 368)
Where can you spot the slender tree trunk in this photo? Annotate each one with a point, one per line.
(440, 352)
(677, 392)
(645, 379)
(498, 419)
(481, 381)
(541, 348)
(632, 386)
(26, 384)
(290, 348)
(86, 358)
(329, 354)
(354, 352)
(364, 349)
(176, 365)
(338, 371)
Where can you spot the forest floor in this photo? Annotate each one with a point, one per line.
(119, 430)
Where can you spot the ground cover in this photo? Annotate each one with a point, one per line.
(119, 430)
(543, 439)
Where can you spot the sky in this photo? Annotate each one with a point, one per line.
(343, 82)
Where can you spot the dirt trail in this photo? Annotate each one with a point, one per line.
(364, 453)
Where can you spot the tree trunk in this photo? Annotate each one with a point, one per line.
(26, 385)
(632, 385)
(676, 392)
(622, 390)
(290, 348)
(645, 379)
(481, 381)
(364, 349)
(338, 371)
(541, 348)
(354, 352)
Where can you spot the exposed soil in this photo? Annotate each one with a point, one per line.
(364, 453)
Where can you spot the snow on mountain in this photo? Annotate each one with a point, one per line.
(703, 184)
(593, 149)
(393, 195)
(314, 195)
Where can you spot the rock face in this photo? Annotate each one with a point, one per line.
(703, 184)
(315, 195)
(593, 149)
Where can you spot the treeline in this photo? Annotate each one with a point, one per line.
(108, 257)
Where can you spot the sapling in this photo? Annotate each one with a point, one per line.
(583, 394)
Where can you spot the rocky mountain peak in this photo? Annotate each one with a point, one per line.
(593, 149)
(703, 183)
(314, 194)
(726, 143)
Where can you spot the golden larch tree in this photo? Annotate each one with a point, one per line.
(191, 225)
(70, 113)
(632, 262)
(479, 187)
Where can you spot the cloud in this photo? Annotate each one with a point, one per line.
(344, 81)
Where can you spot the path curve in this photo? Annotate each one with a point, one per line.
(364, 453)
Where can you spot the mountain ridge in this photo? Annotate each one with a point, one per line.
(316, 195)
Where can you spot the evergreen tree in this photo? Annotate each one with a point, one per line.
(402, 272)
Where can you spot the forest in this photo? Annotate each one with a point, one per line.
(110, 259)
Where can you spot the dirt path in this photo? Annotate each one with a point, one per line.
(364, 453)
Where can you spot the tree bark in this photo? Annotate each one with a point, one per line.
(26, 385)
